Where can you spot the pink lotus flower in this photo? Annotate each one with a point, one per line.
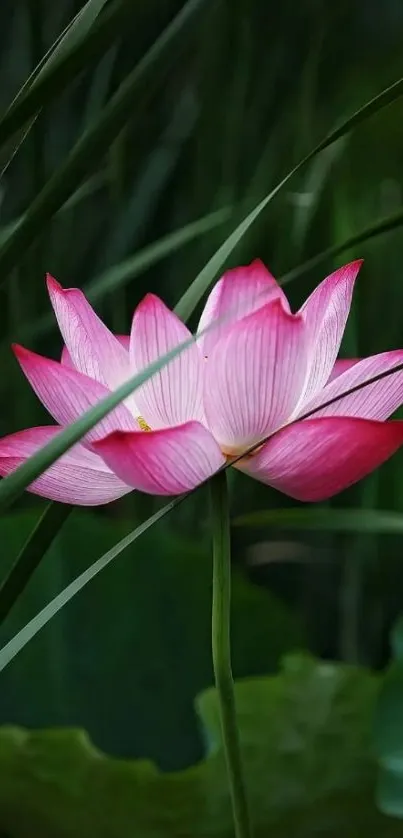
(239, 383)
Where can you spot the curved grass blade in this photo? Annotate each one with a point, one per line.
(62, 63)
(201, 283)
(72, 34)
(118, 275)
(88, 188)
(96, 140)
(376, 521)
(60, 45)
(385, 225)
(35, 547)
(17, 643)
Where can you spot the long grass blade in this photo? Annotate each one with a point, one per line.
(17, 643)
(96, 139)
(201, 283)
(385, 225)
(63, 63)
(35, 547)
(119, 275)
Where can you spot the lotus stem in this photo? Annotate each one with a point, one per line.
(221, 649)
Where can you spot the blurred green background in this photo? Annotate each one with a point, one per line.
(215, 117)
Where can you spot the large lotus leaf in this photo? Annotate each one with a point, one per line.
(306, 745)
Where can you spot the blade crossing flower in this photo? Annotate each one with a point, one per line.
(253, 376)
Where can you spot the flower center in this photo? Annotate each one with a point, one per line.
(229, 453)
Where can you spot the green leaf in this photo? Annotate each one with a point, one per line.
(201, 283)
(35, 547)
(330, 519)
(385, 225)
(74, 33)
(84, 38)
(307, 759)
(97, 138)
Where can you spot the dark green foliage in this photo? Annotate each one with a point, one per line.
(305, 735)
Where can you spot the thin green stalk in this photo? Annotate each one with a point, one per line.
(222, 652)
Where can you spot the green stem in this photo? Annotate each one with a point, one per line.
(222, 652)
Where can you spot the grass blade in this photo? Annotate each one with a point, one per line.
(17, 643)
(201, 283)
(72, 34)
(118, 275)
(96, 140)
(50, 77)
(385, 225)
(35, 547)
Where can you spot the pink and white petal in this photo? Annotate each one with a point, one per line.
(173, 395)
(93, 349)
(239, 292)
(374, 401)
(317, 458)
(325, 313)
(67, 394)
(79, 477)
(66, 358)
(254, 376)
(164, 462)
(341, 365)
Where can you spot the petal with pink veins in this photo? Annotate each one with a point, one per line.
(173, 395)
(325, 313)
(79, 477)
(164, 462)
(254, 376)
(93, 349)
(373, 401)
(317, 458)
(66, 358)
(67, 394)
(239, 292)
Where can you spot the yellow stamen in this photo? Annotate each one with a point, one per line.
(143, 424)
